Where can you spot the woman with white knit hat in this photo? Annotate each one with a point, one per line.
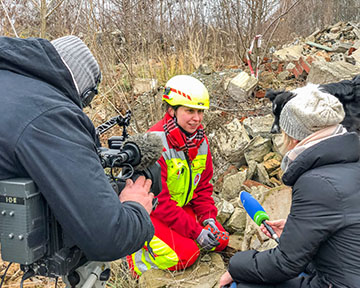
(321, 235)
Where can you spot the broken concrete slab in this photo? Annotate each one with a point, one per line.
(328, 72)
(241, 86)
(288, 54)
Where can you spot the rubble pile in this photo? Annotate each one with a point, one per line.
(332, 52)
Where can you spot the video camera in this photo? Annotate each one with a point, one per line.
(30, 234)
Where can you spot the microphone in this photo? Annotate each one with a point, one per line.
(143, 150)
(256, 212)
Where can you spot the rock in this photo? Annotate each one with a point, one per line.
(155, 278)
(271, 165)
(142, 85)
(225, 210)
(283, 75)
(257, 149)
(273, 155)
(217, 261)
(290, 66)
(236, 223)
(288, 54)
(241, 87)
(232, 185)
(323, 72)
(341, 47)
(259, 126)
(262, 176)
(275, 182)
(235, 243)
(205, 69)
(356, 56)
(268, 244)
(276, 143)
(251, 169)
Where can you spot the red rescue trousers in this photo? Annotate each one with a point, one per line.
(171, 250)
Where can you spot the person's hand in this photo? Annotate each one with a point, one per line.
(276, 225)
(138, 192)
(211, 223)
(207, 240)
(225, 279)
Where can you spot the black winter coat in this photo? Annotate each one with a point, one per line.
(323, 225)
(45, 136)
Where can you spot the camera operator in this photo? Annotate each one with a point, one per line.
(47, 137)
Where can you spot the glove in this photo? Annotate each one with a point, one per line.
(207, 240)
(211, 226)
(211, 223)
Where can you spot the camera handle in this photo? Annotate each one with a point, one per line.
(90, 275)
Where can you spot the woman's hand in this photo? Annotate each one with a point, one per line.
(276, 225)
(225, 279)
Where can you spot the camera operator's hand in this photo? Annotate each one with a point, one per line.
(138, 191)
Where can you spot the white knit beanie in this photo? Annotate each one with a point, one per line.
(309, 111)
(80, 61)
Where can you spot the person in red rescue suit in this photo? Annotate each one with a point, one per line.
(185, 218)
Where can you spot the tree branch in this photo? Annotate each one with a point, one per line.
(281, 15)
(52, 11)
(8, 17)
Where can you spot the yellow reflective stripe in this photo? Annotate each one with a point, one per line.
(138, 265)
(178, 171)
(165, 257)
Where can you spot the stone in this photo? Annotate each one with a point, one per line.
(241, 86)
(205, 69)
(251, 169)
(290, 66)
(356, 56)
(231, 140)
(217, 261)
(323, 72)
(271, 165)
(235, 243)
(277, 141)
(225, 209)
(275, 181)
(273, 155)
(262, 176)
(155, 278)
(232, 185)
(259, 126)
(142, 85)
(237, 222)
(282, 76)
(341, 47)
(257, 148)
(288, 54)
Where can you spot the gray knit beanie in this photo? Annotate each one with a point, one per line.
(309, 111)
(81, 63)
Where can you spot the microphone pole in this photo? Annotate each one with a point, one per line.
(257, 212)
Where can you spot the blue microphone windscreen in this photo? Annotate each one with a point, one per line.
(253, 207)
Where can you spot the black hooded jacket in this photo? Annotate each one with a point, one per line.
(323, 225)
(45, 136)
